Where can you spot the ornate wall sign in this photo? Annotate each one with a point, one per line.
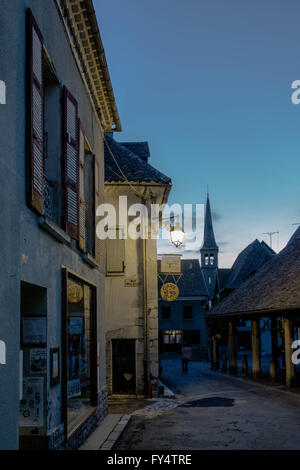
(75, 293)
(170, 264)
(169, 292)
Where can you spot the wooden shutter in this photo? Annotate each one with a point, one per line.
(82, 208)
(35, 183)
(71, 164)
(115, 254)
(97, 203)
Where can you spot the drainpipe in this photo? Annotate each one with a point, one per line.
(147, 382)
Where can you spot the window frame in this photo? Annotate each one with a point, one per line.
(66, 272)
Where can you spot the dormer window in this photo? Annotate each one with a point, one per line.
(211, 259)
(206, 260)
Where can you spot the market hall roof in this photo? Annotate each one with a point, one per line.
(134, 167)
(274, 288)
(191, 282)
(248, 262)
(88, 49)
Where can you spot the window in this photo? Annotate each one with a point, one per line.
(211, 259)
(209, 279)
(172, 337)
(80, 337)
(115, 254)
(166, 312)
(187, 312)
(206, 260)
(89, 202)
(52, 140)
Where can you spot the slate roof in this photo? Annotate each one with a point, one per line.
(248, 262)
(273, 288)
(141, 149)
(223, 276)
(191, 283)
(133, 166)
(209, 241)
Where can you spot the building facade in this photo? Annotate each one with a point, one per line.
(59, 102)
(183, 321)
(132, 184)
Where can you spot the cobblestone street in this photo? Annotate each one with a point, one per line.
(214, 411)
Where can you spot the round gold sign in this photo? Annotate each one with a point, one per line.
(75, 293)
(169, 292)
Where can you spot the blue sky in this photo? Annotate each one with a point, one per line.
(208, 84)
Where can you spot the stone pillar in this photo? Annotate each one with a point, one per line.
(272, 371)
(288, 339)
(256, 368)
(245, 366)
(274, 340)
(232, 348)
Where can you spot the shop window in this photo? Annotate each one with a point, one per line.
(187, 312)
(80, 343)
(172, 337)
(166, 312)
(33, 362)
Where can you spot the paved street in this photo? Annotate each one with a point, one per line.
(214, 411)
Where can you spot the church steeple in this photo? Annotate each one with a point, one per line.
(209, 250)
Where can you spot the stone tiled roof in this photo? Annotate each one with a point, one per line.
(192, 282)
(248, 262)
(133, 166)
(273, 288)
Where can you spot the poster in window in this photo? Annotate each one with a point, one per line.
(75, 325)
(54, 367)
(34, 330)
(38, 361)
(32, 403)
(74, 388)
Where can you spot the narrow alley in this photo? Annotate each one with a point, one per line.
(215, 411)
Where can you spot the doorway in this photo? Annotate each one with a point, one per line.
(123, 358)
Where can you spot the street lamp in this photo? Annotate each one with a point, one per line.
(177, 235)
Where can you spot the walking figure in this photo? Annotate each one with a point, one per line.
(185, 357)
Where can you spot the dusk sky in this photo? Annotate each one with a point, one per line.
(208, 84)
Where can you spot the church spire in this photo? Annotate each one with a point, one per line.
(209, 249)
(209, 241)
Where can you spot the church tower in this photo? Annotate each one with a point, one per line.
(209, 251)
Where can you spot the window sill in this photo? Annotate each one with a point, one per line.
(90, 260)
(51, 227)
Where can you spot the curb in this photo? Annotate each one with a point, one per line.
(116, 433)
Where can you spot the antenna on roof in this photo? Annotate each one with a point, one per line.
(270, 235)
